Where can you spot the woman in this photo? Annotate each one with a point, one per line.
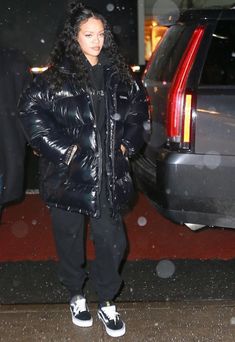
(85, 116)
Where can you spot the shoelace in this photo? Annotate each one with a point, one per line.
(79, 305)
(111, 313)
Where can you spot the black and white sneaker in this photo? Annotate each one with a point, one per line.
(114, 326)
(80, 312)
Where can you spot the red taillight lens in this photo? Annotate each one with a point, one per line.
(180, 103)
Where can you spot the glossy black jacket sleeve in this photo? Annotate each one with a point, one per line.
(42, 130)
(136, 120)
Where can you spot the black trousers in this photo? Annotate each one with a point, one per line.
(110, 242)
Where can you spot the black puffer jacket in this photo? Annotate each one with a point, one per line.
(56, 120)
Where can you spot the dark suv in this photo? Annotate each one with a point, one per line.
(188, 165)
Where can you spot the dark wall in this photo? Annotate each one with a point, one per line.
(32, 25)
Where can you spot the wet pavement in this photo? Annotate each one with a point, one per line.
(201, 321)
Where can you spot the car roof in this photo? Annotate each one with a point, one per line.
(200, 15)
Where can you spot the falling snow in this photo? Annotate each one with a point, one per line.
(212, 160)
(165, 268)
(147, 125)
(20, 229)
(232, 321)
(116, 116)
(46, 18)
(110, 7)
(142, 221)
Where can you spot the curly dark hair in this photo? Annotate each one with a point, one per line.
(67, 48)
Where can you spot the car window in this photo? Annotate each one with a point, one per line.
(219, 68)
(167, 57)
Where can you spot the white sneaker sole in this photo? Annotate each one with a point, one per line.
(82, 324)
(113, 333)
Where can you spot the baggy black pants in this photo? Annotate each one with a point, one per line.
(109, 239)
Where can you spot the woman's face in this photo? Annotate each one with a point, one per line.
(91, 39)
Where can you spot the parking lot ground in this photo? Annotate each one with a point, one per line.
(154, 321)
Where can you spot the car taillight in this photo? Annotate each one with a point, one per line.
(185, 136)
(179, 111)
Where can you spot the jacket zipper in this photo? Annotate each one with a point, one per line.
(113, 143)
(112, 139)
(99, 153)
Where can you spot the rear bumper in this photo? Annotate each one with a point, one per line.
(192, 188)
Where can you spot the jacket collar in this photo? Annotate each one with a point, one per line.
(110, 71)
(66, 65)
